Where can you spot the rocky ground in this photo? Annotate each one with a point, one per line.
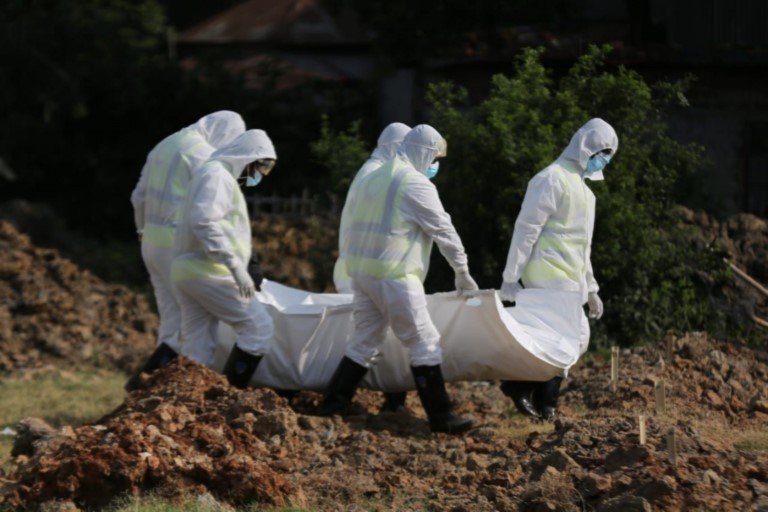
(51, 311)
(187, 432)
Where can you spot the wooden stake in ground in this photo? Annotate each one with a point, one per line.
(672, 446)
(661, 401)
(614, 368)
(670, 348)
(641, 422)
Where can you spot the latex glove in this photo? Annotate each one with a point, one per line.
(244, 282)
(595, 305)
(509, 291)
(465, 283)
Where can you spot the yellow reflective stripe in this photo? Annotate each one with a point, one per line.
(382, 269)
(158, 236)
(186, 269)
(544, 271)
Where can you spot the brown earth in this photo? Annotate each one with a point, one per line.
(743, 240)
(52, 311)
(187, 432)
(298, 252)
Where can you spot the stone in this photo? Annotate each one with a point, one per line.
(29, 432)
(625, 456)
(595, 484)
(558, 460)
(625, 503)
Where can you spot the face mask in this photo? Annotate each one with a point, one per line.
(252, 181)
(597, 162)
(432, 170)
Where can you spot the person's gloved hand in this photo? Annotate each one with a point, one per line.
(509, 291)
(595, 305)
(244, 282)
(464, 282)
(255, 271)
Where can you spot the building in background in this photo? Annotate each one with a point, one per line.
(723, 43)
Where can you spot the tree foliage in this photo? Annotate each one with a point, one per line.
(647, 270)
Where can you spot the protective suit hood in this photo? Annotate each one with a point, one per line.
(421, 146)
(249, 146)
(389, 141)
(220, 128)
(596, 135)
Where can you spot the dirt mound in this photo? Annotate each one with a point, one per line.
(188, 432)
(52, 311)
(298, 252)
(743, 240)
(703, 376)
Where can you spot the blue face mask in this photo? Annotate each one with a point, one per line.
(252, 181)
(432, 170)
(597, 162)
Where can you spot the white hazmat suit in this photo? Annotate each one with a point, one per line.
(213, 248)
(552, 241)
(386, 148)
(159, 195)
(392, 224)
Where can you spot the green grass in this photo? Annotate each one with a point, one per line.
(155, 504)
(60, 398)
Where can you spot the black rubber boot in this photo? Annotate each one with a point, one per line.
(545, 397)
(434, 398)
(521, 393)
(342, 387)
(162, 355)
(240, 367)
(394, 402)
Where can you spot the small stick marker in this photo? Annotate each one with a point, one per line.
(614, 368)
(670, 348)
(661, 403)
(641, 421)
(672, 446)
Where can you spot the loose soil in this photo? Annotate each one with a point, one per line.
(188, 432)
(53, 312)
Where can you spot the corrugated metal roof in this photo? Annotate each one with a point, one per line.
(275, 21)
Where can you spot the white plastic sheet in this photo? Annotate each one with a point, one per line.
(537, 339)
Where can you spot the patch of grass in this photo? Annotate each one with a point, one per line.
(518, 427)
(156, 504)
(752, 441)
(60, 398)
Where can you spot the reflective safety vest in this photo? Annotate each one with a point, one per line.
(192, 261)
(380, 242)
(560, 255)
(340, 276)
(169, 176)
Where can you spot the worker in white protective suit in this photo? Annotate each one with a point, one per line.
(386, 148)
(213, 248)
(392, 226)
(156, 200)
(552, 241)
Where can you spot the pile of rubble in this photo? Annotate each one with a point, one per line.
(187, 433)
(51, 311)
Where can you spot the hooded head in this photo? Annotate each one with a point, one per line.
(421, 146)
(595, 136)
(389, 141)
(248, 147)
(220, 128)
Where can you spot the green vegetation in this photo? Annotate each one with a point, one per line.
(646, 266)
(60, 398)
